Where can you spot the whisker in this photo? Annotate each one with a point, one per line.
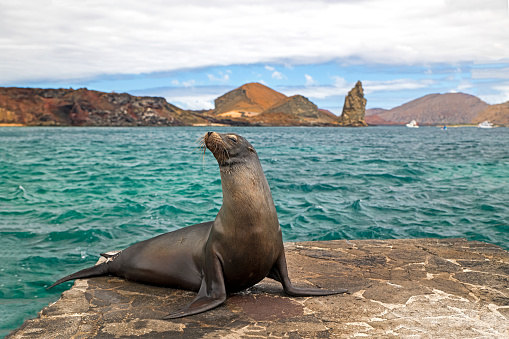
(201, 144)
(203, 148)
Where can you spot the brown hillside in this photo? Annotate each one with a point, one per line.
(377, 120)
(296, 110)
(497, 114)
(328, 113)
(252, 99)
(451, 108)
(276, 119)
(374, 111)
(82, 107)
(297, 105)
(257, 104)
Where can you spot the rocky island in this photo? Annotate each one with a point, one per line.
(252, 104)
(432, 109)
(257, 104)
(354, 108)
(83, 107)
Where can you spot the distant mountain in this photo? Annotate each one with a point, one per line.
(497, 114)
(372, 117)
(374, 111)
(249, 99)
(377, 120)
(82, 107)
(451, 108)
(258, 104)
(250, 104)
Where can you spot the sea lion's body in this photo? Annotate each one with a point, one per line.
(238, 249)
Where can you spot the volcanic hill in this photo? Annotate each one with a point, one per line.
(258, 104)
(247, 100)
(497, 114)
(82, 107)
(435, 109)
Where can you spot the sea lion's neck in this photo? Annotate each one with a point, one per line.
(247, 193)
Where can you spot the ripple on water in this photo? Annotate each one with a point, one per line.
(68, 194)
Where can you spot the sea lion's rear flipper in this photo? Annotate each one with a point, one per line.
(94, 271)
(280, 273)
(212, 292)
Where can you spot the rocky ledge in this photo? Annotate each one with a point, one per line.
(423, 288)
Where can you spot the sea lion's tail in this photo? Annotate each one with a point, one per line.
(94, 271)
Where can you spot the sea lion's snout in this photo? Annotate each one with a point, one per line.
(214, 142)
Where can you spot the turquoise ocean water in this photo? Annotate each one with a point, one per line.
(67, 194)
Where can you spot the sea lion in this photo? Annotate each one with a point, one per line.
(238, 249)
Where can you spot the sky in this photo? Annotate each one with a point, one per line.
(193, 51)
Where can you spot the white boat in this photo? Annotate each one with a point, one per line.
(485, 124)
(412, 124)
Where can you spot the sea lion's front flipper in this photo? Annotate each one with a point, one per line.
(212, 292)
(280, 273)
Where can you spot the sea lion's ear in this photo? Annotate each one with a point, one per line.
(252, 150)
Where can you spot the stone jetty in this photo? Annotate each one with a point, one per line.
(421, 288)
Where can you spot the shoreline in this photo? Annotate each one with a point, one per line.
(225, 125)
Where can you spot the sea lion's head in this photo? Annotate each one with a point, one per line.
(229, 149)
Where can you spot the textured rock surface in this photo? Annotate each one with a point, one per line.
(424, 288)
(296, 110)
(82, 107)
(298, 105)
(354, 108)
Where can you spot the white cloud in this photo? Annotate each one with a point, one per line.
(464, 85)
(193, 102)
(188, 83)
(222, 77)
(196, 98)
(278, 75)
(395, 85)
(491, 73)
(275, 74)
(309, 80)
(338, 81)
(498, 95)
(339, 88)
(42, 39)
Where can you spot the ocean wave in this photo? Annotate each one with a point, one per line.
(67, 195)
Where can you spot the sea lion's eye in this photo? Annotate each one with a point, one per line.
(232, 138)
